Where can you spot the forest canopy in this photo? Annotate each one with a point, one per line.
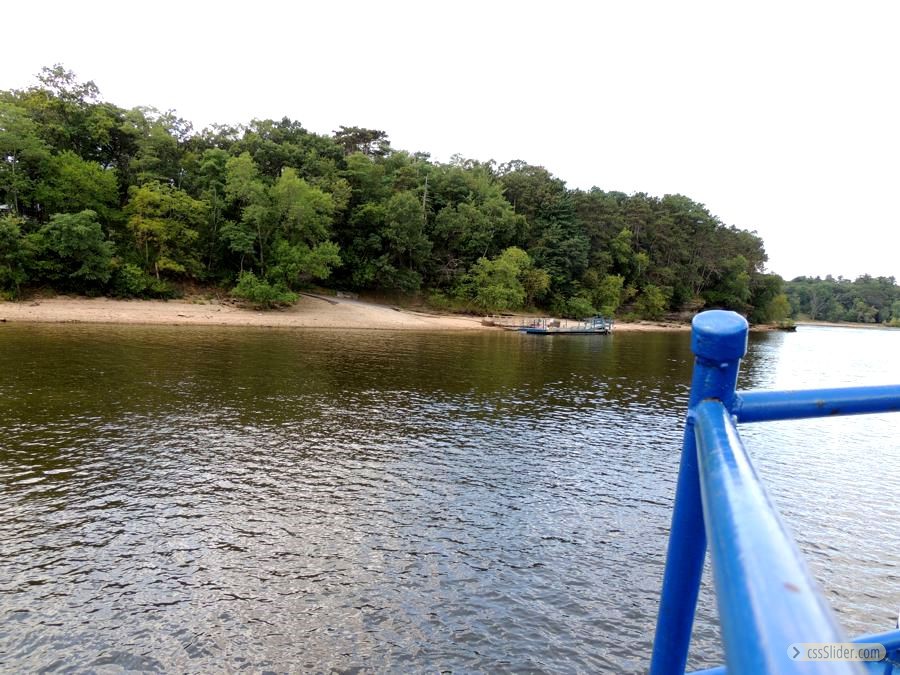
(865, 300)
(98, 199)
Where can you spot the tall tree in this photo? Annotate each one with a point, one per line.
(371, 142)
(22, 156)
(165, 223)
(15, 257)
(72, 184)
(303, 212)
(407, 244)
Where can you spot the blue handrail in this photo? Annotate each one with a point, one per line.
(766, 597)
(768, 406)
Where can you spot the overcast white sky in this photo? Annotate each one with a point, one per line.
(782, 117)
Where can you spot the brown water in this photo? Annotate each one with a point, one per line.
(209, 499)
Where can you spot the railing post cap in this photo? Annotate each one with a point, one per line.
(719, 335)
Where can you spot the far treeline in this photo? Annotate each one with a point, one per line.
(97, 199)
(866, 300)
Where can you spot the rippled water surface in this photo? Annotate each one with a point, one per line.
(195, 500)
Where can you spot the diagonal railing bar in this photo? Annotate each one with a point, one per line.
(766, 597)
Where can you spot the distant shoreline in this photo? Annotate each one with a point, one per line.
(310, 312)
(846, 324)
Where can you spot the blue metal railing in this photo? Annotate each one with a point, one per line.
(766, 596)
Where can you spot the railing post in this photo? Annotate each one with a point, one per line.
(718, 341)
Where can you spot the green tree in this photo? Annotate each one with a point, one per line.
(247, 192)
(240, 238)
(165, 223)
(303, 212)
(364, 248)
(561, 248)
(732, 287)
(68, 113)
(14, 255)
(767, 299)
(404, 231)
(621, 251)
(495, 285)
(530, 190)
(579, 307)
(291, 221)
(468, 216)
(895, 313)
(210, 183)
(366, 178)
(652, 302)
(275, 145)
(552, 232)
(535, 283)
(779, 308)
(22, 154)
(371, 142)
(243, 184)
(295, 264)
(608, 296)
(71, 184)
(407, 246)
(159, 138)
(74, 251)
(470, 230)
(862, 312)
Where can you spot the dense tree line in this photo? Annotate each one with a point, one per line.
(865, 300)
(102, 200)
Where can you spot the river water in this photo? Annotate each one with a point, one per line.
(210, 499)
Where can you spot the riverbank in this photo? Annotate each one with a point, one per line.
(311, 311)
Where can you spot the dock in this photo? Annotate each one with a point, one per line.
(595, 325)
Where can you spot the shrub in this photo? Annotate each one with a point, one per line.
(439, 300)
(261, 293)
(130, 281)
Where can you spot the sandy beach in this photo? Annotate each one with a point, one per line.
(310, 312)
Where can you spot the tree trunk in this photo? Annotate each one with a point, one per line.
(262, 259)
(15, 190)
